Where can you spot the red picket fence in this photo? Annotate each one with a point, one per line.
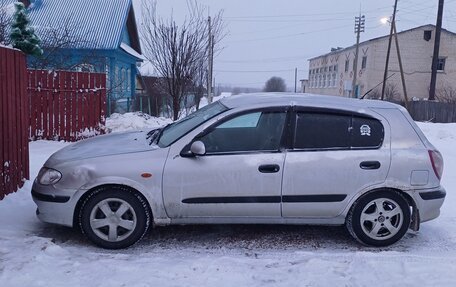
(66, 105)
(14, 121)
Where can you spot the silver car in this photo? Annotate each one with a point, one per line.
(254, 159)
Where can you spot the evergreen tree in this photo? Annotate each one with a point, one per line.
(22, 35)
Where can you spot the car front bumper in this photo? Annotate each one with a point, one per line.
(54, 205)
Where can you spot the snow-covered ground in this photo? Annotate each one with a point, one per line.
(37, 254)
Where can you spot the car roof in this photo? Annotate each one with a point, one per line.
(308, 100)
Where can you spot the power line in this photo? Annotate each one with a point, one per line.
(291, 35)
(305, 15)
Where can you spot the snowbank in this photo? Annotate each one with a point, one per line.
(133, 121)
(37, 254)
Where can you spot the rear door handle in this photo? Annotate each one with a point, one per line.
(370, 165)
(269, 168)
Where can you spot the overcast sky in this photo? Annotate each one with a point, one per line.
(273, 37)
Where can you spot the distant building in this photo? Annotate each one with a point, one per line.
(332, 73)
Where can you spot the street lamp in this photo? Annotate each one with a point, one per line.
(384, 20)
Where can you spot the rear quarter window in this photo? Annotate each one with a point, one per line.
(367, 133)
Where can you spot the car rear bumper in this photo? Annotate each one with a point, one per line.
(429, 202)
(54, 206)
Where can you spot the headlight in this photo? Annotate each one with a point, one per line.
(48, 176)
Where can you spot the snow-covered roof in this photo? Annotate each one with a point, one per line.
(131, 51)
(96, 24)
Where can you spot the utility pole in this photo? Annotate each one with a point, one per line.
(401, 68)
(296, 80)
(359, 27)
(210, 61)
(435, 57)
(385, 75)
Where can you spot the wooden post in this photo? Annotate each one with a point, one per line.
(401, 68)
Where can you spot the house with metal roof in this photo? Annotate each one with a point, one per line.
(92, 36)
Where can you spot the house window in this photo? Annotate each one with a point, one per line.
(441, 64)
(427, 35)
(364, 63)
(128, 80)
(324, 81)
(334, 76)
(336, 67)
(328, 80)
(347, 65)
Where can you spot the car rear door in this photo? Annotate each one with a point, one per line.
(334, 155)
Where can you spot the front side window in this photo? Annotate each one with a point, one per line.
(347, 65)
(323, 131)
(256, 131)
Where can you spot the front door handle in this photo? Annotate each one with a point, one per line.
(370, 164)
(269, 168)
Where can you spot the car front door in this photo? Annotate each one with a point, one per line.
(335, 155)
(239, 176)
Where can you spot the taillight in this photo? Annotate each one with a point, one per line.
(437, 162)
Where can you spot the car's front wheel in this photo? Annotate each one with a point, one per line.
(114, 217)
(379, 218)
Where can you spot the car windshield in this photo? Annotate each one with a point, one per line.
(176, 130)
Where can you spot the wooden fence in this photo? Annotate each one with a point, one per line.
(66, 105)
(436, 112)
(14, 124)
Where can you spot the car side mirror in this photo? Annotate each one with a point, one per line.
(198, 148)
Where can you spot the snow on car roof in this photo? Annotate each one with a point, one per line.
(311, 100)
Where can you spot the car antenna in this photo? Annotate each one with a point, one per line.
(376, 86)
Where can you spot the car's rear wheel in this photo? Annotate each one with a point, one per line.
(379, 218)
(114, 217)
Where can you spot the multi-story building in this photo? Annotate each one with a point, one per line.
(332, 73)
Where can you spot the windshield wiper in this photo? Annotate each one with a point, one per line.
(152, 135)
(161, 132)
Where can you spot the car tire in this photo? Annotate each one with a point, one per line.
(379, 218)
(114, 217)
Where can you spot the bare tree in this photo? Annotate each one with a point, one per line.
(275, 84)
(200, 81)
(178, 52)
(392, 93)
(446, 93)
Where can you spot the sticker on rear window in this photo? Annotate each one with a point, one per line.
(365, 130)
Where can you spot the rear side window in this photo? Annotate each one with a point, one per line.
(322, 131)
(315, 131)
